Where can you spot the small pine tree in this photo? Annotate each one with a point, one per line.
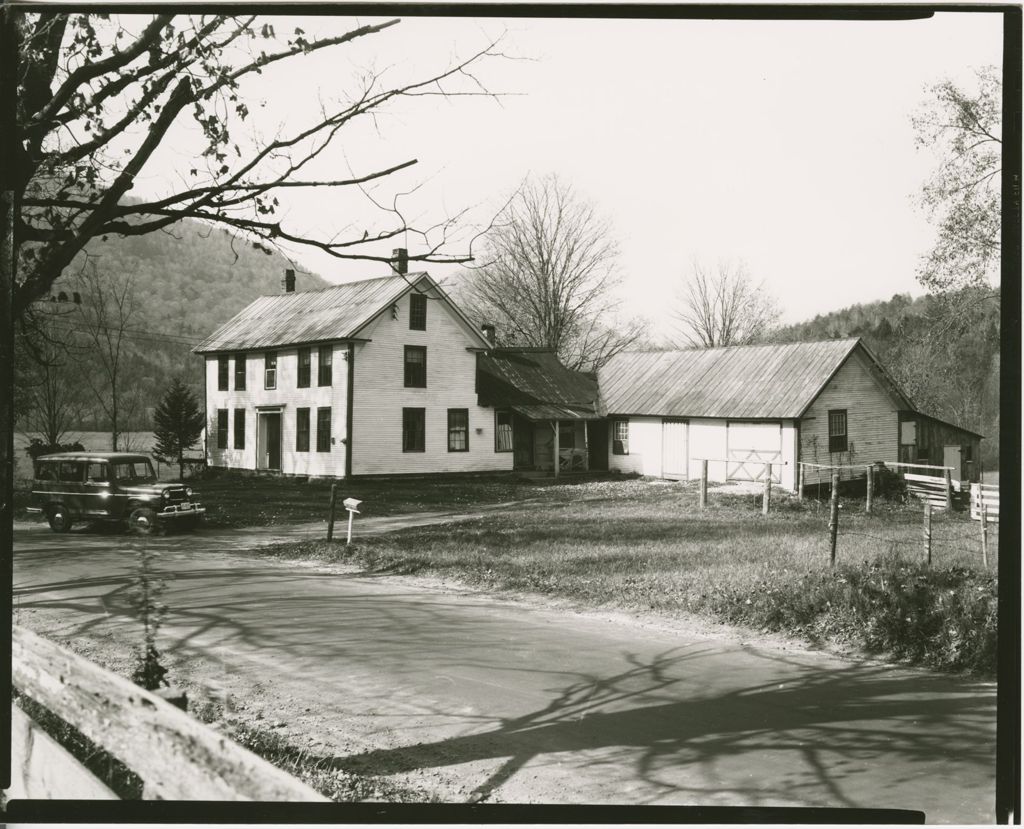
(179, 423)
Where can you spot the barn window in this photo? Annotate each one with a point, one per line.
(458, 430)
(415, 367)
(417, 312)
(413, 429)
(222, 373)
(304, 367)
(240, 372)
(503, 431)
(837, 430)
(620, 437)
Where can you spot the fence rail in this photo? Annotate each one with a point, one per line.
(985, 497)
(175, 756)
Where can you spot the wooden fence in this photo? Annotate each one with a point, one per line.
(985, 497)
(175, 756)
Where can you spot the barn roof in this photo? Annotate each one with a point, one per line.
(534, 382)
(750, 381)
(334, 313)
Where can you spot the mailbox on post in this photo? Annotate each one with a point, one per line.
(352, 505)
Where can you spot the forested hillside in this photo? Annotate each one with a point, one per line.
(943, 351)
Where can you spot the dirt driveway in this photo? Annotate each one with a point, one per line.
(474, 697)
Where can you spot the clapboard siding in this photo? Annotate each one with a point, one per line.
(379, 396)
(644, 456)
(289, 397)
(871, 418)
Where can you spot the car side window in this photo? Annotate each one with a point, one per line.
(72, 471)
(98, 473)
(46, 472)
(123, 471)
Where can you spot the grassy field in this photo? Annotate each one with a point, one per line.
(637, 545)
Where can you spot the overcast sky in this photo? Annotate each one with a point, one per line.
(787, 145)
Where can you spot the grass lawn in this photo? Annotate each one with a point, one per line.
(645, 546)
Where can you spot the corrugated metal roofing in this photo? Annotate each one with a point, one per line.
(536, 384)
(334, 313)
(753, 381)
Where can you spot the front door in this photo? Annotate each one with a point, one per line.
(268, 438)
(522, 443)
(951, 456)
(673, 449)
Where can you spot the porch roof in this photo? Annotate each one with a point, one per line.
(547, 411)
(534, 383)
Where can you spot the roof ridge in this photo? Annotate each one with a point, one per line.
(404, 276)
(744, 345)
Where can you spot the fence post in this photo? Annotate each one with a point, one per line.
(984, 535)
(949, 490)
(928, 532)
(703, 484)
(330, 519)
(766, 501)
(871, 486)
(833, 518)
(800, 481)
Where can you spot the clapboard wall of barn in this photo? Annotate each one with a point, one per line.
(872, 422)
(923, 438)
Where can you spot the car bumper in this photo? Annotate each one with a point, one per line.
(36, 510)
(171, 513)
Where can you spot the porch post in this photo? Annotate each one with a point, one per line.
(586, 445)
(555, 427)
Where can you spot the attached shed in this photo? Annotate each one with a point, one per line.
(543, 411)
(928, 440)
(743, 407)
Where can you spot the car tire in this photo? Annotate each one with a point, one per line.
(59, 518)
(142, 521)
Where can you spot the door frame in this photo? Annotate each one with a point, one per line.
(262, 415)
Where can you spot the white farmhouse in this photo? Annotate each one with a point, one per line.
(373, 377)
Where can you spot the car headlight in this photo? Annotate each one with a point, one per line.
(188, 491)
(166, 494)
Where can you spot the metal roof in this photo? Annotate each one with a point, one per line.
(334, 313)
(751, 381)
(535, 383)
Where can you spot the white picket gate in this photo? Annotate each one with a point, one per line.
(987, 496)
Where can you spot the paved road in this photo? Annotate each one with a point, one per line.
(533, 705)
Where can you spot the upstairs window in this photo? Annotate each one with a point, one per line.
(222, 428)
(417, 312)
(458, 430)
(503, 431)
(325, 366)
(270, 370)
(305, 359)
(620, 437)
(415, 367)
(239, 429)
(837, 441)
(323, 429)
(413, 430)
(239, 372)
(222, 373)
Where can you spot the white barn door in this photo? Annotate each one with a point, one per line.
(673, 449)
(750, 446)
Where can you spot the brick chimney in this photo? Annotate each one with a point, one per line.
(488, 330)
(289, 281)
(400, 260)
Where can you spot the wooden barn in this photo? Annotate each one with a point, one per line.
(928, 440)
(827, 403)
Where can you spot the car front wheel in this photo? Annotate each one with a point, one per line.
(60, 521)
(142, 521)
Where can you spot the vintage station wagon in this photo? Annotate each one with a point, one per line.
(108, 486)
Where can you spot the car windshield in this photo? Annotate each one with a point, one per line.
(138, 471)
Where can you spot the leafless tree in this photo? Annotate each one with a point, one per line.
(108, 304)
(724, 308)
(549, 277)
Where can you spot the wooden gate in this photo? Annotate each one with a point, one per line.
(750, 447)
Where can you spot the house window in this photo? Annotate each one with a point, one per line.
(325, 365)
(239, 429)
(503, 431)
(458, 430)
(270, 370)
(239, 372)
(415, 367)
(567, 435)
(837, 430)
(323, 429)
(413, 429)
(417, 312)
(302, 430)
(222, 373)
(620, 437)
(304, 364)
(222, 428)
